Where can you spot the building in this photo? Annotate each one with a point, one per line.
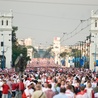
(94, 40)
(28, 43)
(6, 20)
(56, 49)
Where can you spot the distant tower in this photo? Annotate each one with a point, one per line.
(6, 39)
(56, 49)
(94, 40)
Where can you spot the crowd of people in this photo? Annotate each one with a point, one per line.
(54, 83)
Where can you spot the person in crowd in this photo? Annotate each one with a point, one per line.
(94, 83)
(82, 93)
(9, 82)
(53, 83)
(69, 92)
(48, 80)
(1, 83)
(33, 85)
(45, 86)
(61, 94)
(28, 91)
(49, 93)
(13, 86)
(26, 81)
(57, 88)
(96, 91)
(20, 86)
(38, 93)
(62, 83)
(89, 89)
(6, 89)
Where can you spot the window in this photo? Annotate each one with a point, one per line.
(7, 22)
(2, 23)
(2, 43)
(95, 23)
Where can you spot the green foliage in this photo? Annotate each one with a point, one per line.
(14, 39)
(63, 54)
(75, 53)
(31, 47)
(17, 49)
(47, 53)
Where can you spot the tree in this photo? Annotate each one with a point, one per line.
(17, 49)
(15, 52)
(14, 39)
(63, 54)
(75, 53)
(47, 53)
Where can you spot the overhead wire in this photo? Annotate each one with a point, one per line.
(43, 2)
(81, 28)
(78, 25)
(75, 28)
(77, 32)
(46, 16)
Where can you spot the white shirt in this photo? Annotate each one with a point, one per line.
(1, 83)
(26, 82)
(44, 89)
(94, 84)
(89, 92)
(28, 92)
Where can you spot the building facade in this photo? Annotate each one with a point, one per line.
(56, 49)
(94, 40)
(28, 43)
(6, 20)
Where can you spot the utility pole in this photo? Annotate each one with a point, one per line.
(80, 53)
(75, 54)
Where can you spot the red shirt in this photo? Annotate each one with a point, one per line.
(48, 81)
(20, 86)
(5, 89)
(13, 86)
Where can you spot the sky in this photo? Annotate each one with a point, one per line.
(42, 20)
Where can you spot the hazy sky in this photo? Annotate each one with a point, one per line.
(44, 19)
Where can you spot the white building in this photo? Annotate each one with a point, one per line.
(94, 39)
(28, 43)
(56, 49)
(5, 38)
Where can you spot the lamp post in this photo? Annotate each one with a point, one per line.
(88, 42)
(76, 51)
(80, 52)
